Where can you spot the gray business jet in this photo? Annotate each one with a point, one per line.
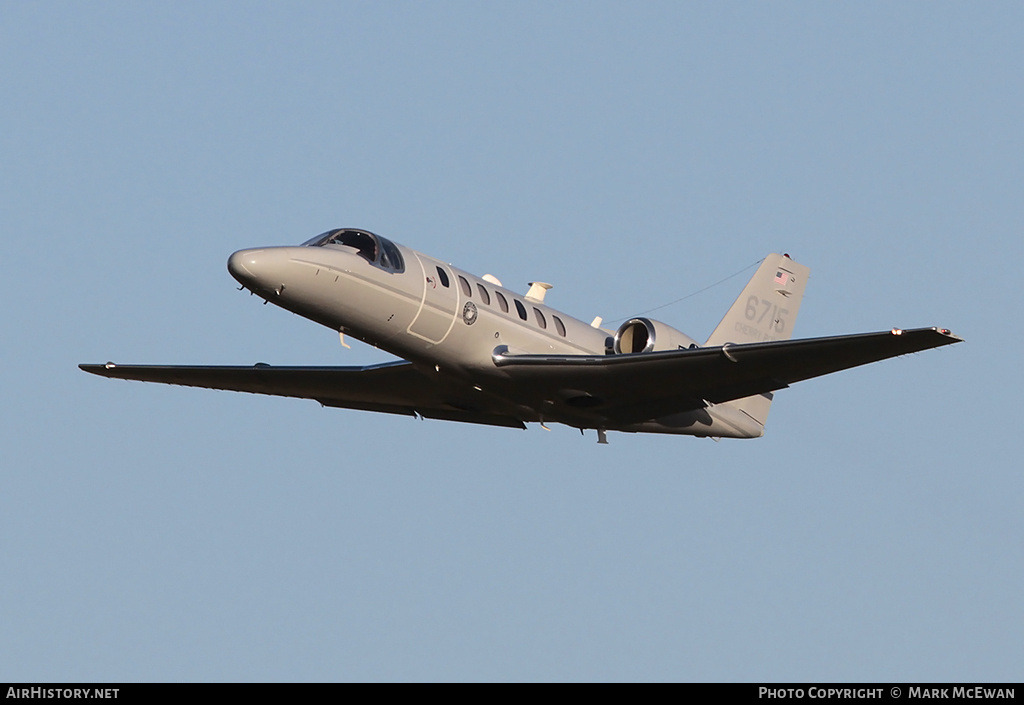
(477, 352)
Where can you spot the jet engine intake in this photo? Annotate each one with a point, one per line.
(639, 335)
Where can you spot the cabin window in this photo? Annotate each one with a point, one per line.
(521, 309)
(502, 303)
(540, 318)
(444, 277)
(466, 289)
(559, 326)
(484, 296)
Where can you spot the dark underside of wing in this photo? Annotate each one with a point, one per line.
(626, 389)
(394, 388)
(588, 391)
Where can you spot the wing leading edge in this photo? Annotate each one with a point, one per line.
(393, 388)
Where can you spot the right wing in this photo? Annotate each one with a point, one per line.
(620, 390)
(393, 388)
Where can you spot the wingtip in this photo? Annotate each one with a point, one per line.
(96, 368)
(949, 334)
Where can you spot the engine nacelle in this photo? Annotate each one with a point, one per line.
(646, 335)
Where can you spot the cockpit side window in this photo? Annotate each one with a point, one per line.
(390, 257)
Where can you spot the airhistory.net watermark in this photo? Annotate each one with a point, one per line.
(62, 693)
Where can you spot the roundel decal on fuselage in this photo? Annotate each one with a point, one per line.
(469, 313)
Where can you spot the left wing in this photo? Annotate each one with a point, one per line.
(633, 388)
(393, 388)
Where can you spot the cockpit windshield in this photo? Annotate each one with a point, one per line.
(375, 249)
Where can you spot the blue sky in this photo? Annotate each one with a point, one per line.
(630, 154)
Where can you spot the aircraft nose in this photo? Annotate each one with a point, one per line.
(243, 266)
(263, 270)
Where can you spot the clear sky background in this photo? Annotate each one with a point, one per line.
(630, 153)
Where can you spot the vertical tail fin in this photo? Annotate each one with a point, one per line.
(766, 310)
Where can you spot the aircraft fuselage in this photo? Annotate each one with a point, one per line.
(422, 313)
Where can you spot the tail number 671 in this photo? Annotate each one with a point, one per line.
(757, 310)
